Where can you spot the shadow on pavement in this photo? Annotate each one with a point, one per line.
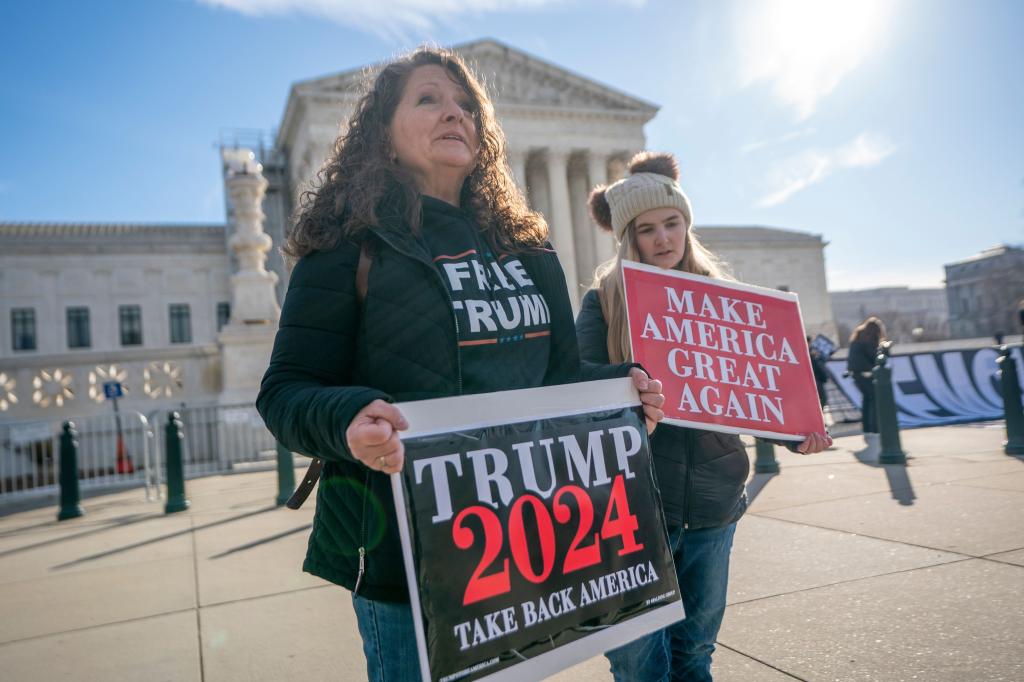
(161, 538)
(113, 523)
(899, 481)
(899, 484)
(262, 541)
(756, 485)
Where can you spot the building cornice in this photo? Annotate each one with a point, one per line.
(748, 235)
(64, 238)
(119, 356)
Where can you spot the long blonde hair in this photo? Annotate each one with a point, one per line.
(697, 259)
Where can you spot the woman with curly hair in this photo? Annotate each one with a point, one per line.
(421, 274)
(701, 474)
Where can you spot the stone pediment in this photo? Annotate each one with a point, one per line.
(513, 78)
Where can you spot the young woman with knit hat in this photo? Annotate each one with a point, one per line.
(701, 473)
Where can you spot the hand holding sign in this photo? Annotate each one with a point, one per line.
(651, 397)
(372, 436)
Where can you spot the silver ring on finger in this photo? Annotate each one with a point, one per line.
(382, 461)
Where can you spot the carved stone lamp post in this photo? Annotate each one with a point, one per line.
(246, 340)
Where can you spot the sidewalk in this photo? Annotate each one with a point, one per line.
(842, 570)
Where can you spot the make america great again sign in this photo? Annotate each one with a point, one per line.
(732, 357)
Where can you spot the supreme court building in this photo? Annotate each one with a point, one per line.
(186, 313)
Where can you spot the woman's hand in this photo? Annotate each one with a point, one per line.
(650, 396)
(816, 442)
(373, 437)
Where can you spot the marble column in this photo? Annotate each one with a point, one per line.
(584, 232)
(247, 339)
(560, 219)
(616, 169)
(597, 168)
(517, 160)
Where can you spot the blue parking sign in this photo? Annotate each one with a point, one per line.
(112, 389)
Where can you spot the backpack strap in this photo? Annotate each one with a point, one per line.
(313, 472)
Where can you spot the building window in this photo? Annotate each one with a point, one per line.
(181, 323)
(223, 314)
(23, 328)
(78, 328)
(129, 319)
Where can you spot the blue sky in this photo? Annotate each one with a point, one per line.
(894, 129)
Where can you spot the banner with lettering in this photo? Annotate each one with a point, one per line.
(532, 530)
(732, 357)
(939, 387)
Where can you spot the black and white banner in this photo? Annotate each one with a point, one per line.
(942, 387)
(532, 530)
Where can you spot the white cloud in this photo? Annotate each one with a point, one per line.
(812, 166)
(388, 18)
(782, 139)
(803, 49)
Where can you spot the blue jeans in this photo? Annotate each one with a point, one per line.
(389, 640)
(682, 651)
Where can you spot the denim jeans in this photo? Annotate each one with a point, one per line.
(389, 640)
(682, 651)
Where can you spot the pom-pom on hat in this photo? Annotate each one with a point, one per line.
(653, 182)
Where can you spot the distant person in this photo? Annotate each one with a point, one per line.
(864, 344)
(820, 372)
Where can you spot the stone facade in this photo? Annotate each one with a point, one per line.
(910, 315)
(985, 291)
(104, 269)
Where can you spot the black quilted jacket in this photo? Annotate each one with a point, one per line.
(332, 356)
(701, 474)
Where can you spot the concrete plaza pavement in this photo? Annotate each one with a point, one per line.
(842, 570)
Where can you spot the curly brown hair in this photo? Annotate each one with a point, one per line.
(359, 182)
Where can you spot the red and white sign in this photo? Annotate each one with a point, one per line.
(732, 357)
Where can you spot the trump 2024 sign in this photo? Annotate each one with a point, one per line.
(532, 530)
(731, 357)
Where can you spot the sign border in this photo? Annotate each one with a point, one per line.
(735, 286)
(428, 417)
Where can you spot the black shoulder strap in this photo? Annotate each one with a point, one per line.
(313, 472)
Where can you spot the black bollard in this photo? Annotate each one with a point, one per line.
(285, 474)
(174, 436)
(885, 404)
(1010, 389)
(69, 498)
(765, 462)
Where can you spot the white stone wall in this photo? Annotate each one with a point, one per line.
(102, 282)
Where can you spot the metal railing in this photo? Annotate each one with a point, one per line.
(128, 449)
(113, 451)
(221, 438)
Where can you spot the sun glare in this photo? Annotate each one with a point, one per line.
(804, 48)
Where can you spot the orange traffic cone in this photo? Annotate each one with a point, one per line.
(124, 460)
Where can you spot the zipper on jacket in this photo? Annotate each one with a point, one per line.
(362, 536)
